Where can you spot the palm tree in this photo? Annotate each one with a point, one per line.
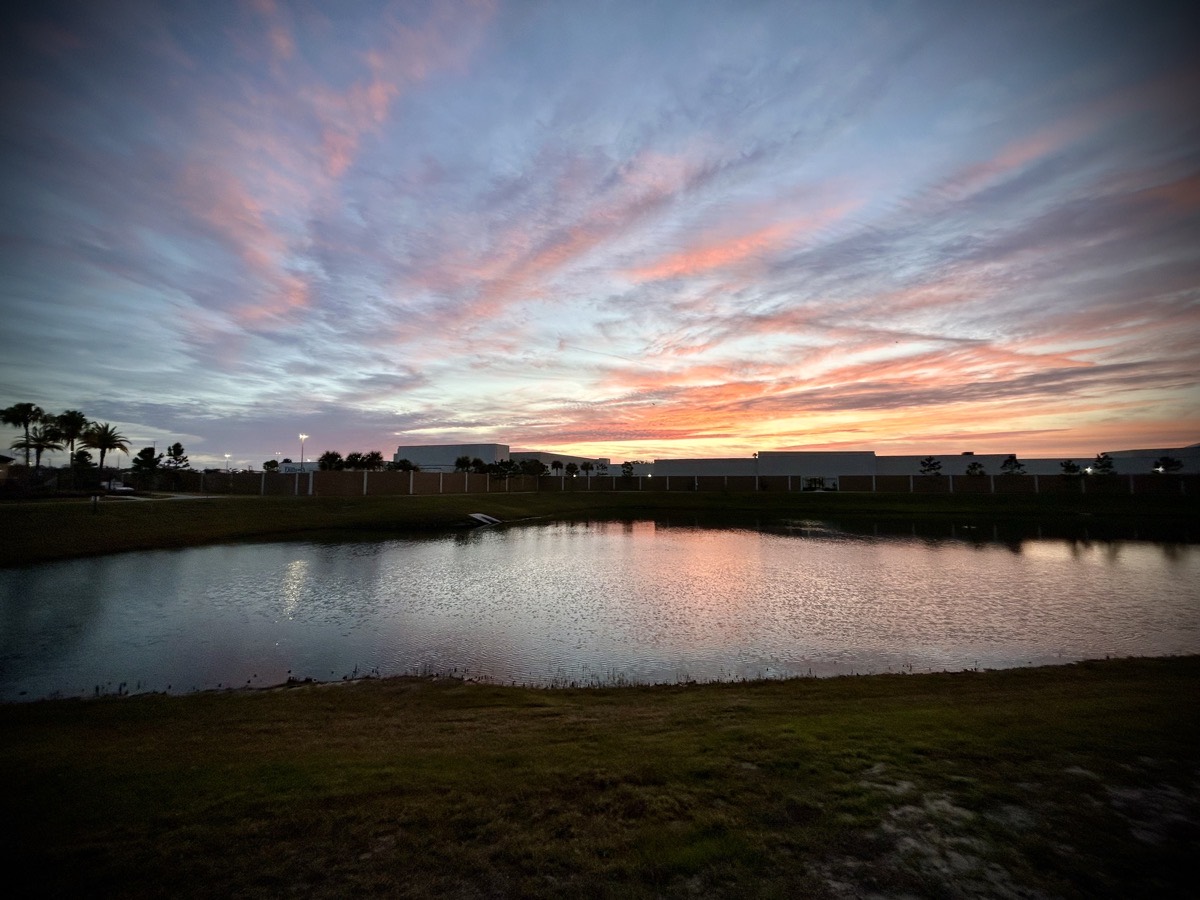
(556, 466)
(22, 415)
(373, 460)
(71, 426)
(40, 440)
(331, 461)
(104, 437)
(462, 464)
(586, 469)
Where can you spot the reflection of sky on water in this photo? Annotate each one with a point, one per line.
(587, 602)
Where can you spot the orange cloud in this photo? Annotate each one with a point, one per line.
(734, 251)
(717, 255)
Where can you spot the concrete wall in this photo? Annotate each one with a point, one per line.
(376, 484)
(952, 463)
(706, 467)
(816, 464)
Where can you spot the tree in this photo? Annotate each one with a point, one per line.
(534, 467)
(71, 425)
(1167, 464)
(976, 468)
(1012, 466)
(462, 464)
(407, 465)
(145, 464)
(354, 461)
(931, 466)
(586, 468)
(627, 466)
(602, 468)
(373, 461)
(40, 440)
(271, 465)
(177, 458)
(81, 460)
(572, 469)
(1069, 467)
(556, 466)
(105, 438)
(22, 415)
(330, 461)
(503, 468)
(478, 466)
(286, 459)
(1102, 465)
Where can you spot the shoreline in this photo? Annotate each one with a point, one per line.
(43, 531)
(297, 684)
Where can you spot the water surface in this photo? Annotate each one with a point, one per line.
(587, 603)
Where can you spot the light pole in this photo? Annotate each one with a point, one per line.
(226, 463)
(303, 438)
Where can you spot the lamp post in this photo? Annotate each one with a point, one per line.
(303, 438)
(226, 463)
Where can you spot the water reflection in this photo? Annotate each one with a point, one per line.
(594, 602)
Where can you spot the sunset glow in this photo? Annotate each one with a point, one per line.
(629, 230)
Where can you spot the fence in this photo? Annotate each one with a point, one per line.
(374, 484)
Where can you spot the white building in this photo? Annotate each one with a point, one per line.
(547, 458)
(830, 464)
(1135, 462)
(441, 457)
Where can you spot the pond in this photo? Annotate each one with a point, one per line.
(587, 603)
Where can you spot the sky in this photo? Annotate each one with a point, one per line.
(621, 229)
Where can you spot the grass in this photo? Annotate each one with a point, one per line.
(33, 532)
(1074, 781)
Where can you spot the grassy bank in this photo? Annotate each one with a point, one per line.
(41, 531)
(1075, 781)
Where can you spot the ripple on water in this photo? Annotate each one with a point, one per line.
(587, 603)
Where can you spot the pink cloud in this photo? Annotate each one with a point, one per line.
(407, 57)
(233, 213)
(523, 259)
(732, 251)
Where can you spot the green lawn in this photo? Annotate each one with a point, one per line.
(46, 530)
(1074, 781)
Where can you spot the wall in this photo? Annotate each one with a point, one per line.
(359, 484)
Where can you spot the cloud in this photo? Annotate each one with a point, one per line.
(761, 227)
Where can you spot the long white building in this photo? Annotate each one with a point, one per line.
(805, 463)
(831, 463)
(441, 457)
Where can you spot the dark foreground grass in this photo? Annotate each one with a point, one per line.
(33, 532)
(1075, 781)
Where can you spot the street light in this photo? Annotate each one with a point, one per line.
(303, 438)
(227, 463)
